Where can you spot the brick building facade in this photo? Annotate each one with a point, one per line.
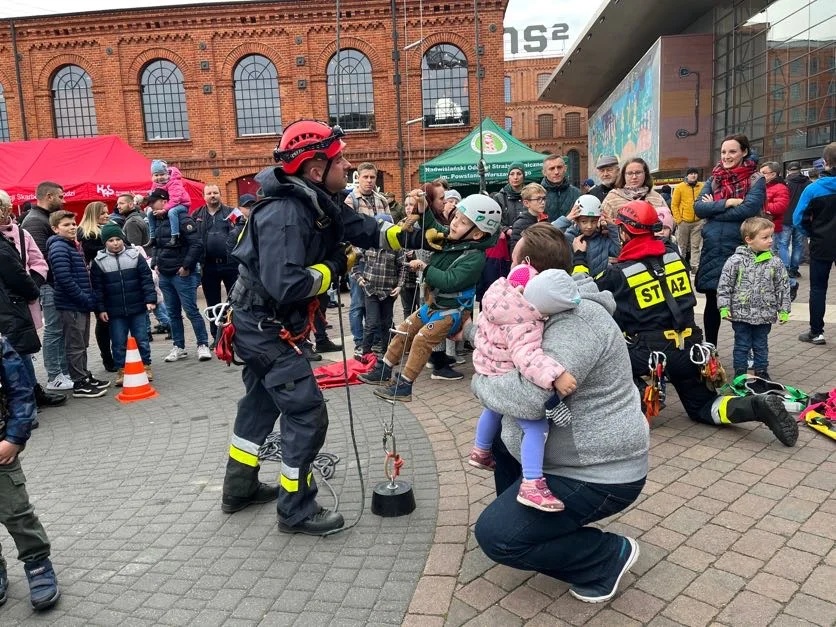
(545, 126)
(117, 58)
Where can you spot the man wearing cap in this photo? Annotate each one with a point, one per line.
(292, 249)
(791, 236)
(689, 231)
(214, 222)
(560, 194)
(607, 167)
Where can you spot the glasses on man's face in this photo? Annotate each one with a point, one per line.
(538, 199)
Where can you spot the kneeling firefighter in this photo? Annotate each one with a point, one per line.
(292, 250)
(655, 310)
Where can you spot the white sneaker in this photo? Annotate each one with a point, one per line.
(203, 353)
(176, 354)
(61, 383)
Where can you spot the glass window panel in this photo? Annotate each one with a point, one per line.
(545, 126)
(573, 170)
(444, 91)
(572, 122)
(821, 135)
(542, 81)
(507, 89)
(257, 107)
(164, 101)
(352, 78)
(509, 125)
(72, 103)
(4, 118)
(824, 30)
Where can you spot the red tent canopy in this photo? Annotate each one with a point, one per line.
(93, 168)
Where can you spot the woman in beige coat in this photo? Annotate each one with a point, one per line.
(634, 183)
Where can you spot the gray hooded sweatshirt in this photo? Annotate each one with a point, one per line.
(608, 439)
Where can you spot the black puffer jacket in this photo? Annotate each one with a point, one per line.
(17, 289)
(186, 255)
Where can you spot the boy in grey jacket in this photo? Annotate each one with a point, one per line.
(754, 292)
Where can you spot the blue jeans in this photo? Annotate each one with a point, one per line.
(30, 368)
(356, 311)
(173, 220)
(794, 236)
(559, 545)
(55, 360)
(119, 327)
(181, 293)
(819, 276)
(751, 337)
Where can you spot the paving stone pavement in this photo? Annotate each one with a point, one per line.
(734, 528)
(130, 497)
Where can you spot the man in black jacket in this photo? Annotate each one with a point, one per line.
(213, 222)
(50, 199)
(792, 236)
(177, 268)
(607, 167)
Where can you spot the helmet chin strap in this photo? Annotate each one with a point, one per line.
(458, 239)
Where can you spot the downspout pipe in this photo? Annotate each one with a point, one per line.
(19, 81)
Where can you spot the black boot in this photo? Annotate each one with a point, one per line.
(768, 409)
(327, 346)
(48, 399)
(242, 488)
(174, 242)
(317, 524)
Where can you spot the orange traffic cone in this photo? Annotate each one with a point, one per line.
(135, 386)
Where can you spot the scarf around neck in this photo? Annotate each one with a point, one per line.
(634, 193)
(732, 182)
(642, 246)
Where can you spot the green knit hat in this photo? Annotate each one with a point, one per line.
(517, 165)
(111, 229)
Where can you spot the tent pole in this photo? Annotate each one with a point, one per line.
(481, 165)
(396, 81)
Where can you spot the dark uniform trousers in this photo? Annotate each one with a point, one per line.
(18, 516)
(278, 382)
(680, 372)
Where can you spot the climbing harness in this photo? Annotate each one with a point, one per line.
(821, 415)
(221, 316)
(795, 400)
(655, 392)
(705, 356)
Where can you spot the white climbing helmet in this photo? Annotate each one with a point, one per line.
(590, 206)
(483, 211)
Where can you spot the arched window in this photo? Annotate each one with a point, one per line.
(444, 86)
(164, 101)
(257, 107)
(355, 107)
(573, 169)
(572, 124)
(545, 126)
(4, 118)
(72, 103)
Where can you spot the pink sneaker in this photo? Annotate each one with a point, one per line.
(535, 493)
(481, 459)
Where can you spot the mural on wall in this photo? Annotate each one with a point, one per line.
(627, 123)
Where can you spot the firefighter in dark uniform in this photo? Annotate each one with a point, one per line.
(290, 252)
(655, 310)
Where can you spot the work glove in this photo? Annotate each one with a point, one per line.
(337, 263)
(783, 317)
(435, 239)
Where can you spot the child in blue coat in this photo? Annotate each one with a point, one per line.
(585, 221)
(124, 288)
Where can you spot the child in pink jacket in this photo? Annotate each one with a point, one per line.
(509, 336)
(169, 179)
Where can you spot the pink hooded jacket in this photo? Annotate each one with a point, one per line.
(35, 262)
(177, 194)
(509, 331)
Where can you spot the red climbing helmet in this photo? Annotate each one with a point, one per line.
(638, 217)
(307, 139)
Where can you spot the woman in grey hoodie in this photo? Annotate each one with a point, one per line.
(596, 465)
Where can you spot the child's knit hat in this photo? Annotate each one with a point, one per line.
(111, 229)
(158, 166)
(520, 275)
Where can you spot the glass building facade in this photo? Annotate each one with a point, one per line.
(775, 76)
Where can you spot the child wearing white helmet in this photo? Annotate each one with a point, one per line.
(451, 277)
(586, 221)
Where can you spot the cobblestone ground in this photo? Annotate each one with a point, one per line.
(734, 528)
(130, 497)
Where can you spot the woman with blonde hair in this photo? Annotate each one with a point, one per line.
(96, 215)
(634, 183)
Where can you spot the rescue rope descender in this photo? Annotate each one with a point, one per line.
(654, 393)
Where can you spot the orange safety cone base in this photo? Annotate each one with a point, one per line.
(136, 386)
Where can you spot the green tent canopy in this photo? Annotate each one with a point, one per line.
(459, 164)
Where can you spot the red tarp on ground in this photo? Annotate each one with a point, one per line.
(92, 168)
